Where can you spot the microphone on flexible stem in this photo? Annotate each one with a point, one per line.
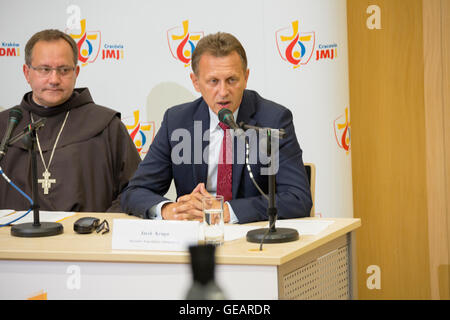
(226, 116)
(27, 130)
(271, 234)
(15, 115)
(35, 228)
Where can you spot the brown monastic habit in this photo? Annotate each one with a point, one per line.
(93, 160)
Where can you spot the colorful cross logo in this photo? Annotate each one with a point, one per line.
(342, 131)
(182, 43)
(142, 133)
(295, 47)
(88, 43)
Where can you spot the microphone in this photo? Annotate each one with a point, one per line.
(276, 133)
(226, 116)
(271, 234)
(15, 115)
(31, 127)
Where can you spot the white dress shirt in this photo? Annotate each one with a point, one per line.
(215, 144)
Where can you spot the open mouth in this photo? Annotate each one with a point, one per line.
(224, 104)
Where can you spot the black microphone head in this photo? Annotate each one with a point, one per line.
(15, 114)
(223, 114)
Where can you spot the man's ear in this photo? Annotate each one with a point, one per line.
(26, 71)
(247, 73)
(194, 80)
(77, 70)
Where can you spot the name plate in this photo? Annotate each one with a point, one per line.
(154, 234)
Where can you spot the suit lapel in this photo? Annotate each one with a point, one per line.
(246, 112)
(198, 145)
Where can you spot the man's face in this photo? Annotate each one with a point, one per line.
(52, 89)
(221, 81)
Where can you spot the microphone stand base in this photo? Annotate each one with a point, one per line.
(30, 230)
(280, 235)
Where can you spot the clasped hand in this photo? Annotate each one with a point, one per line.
(189, 206)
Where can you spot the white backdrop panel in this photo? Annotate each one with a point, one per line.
(144, 78)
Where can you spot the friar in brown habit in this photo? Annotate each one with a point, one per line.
(85, 155)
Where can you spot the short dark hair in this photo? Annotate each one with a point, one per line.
(219, 44)
(49, 35)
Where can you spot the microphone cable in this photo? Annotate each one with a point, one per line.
(250, 173)
(21, 192)
(249, 169)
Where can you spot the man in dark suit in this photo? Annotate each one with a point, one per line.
(192, 148)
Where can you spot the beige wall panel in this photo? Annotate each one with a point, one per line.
(435, 147)
(445, 18)
(388, 148)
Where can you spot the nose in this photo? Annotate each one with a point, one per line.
(54, 77)
(223, 89)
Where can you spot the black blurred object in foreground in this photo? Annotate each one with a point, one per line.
(204, 286)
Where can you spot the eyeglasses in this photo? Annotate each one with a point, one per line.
(46, 71)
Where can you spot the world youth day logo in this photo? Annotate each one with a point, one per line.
(142, 133)
(182, 42)
(88, 43)
(295, 47)
(342, 130)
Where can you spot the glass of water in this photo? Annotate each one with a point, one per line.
(213, 227)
